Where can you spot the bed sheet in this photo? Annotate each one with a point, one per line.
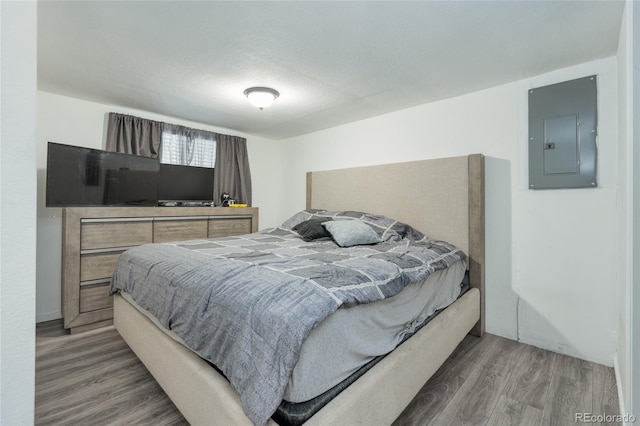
(351, 337)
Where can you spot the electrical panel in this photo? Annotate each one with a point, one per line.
(563, 127)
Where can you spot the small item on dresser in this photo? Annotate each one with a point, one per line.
(226, 199)
(232, 204)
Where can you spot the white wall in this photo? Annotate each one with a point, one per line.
(565, 244)
(551, 255)
(634, 140)
(17, 211)
(625, 159)
(76, 122)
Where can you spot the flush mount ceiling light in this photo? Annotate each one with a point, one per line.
(261, 96)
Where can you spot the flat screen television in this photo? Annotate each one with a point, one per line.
(78, 176)
(185, 184)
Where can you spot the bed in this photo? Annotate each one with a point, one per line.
(450, 208)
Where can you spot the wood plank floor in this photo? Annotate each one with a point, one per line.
(93, 378)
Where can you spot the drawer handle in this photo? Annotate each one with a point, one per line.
(162, 219)
(106, 250)
(92, 282)
(118, 219)
(239, 216)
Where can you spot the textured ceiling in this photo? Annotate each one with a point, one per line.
(332, 62)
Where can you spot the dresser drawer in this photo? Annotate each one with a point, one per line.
(179, 230)
(94, 297)
(228, 227)
(97, 266)
(98, 235)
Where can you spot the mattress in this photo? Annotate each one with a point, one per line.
(352, 337)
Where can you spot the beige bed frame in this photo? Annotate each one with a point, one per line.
(442, 197)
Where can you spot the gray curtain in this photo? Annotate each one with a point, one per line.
(231, 173)
(134, 135)
(139, 136)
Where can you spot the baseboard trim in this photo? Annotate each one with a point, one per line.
(48, 317)
(622, 407)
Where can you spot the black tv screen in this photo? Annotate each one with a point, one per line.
(185, 183)
(78, 176)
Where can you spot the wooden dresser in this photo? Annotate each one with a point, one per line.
(94, 237)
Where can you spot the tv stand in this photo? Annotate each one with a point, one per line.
(186, 204)
(94, 237)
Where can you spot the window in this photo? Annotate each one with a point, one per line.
(185, 150)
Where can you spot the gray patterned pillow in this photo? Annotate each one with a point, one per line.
(351, 232)
(299, 218)
(387, 229)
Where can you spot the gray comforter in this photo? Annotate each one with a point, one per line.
(247, 303)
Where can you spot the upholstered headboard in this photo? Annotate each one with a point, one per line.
(443, 198)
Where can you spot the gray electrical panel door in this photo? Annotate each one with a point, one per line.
(563, 123)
